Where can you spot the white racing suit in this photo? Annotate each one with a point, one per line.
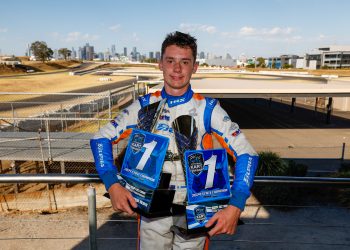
(210, 119)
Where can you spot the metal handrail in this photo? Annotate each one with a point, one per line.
(104, 93)
(94, 178)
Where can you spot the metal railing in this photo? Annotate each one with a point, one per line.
(93, 178)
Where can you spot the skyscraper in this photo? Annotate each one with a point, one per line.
(80, 54)
(158, 56)
(88, 52)
(113, 50)
(151, 55)
(134, 54)
(125, 51)
(73, 54)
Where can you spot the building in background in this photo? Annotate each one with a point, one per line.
(273, 63)
(151, 55)
(289, 61)
(125, 52)
(335, 56)
(73, 54)
(88, 52)
(158, 55)
(113, 51)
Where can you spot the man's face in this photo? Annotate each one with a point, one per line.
(178, 66)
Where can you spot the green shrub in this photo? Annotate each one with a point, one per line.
(271, 164)
(296, 169)
(343, 194)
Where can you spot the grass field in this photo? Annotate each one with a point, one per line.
(38, 66)
(317, 72)
(59, 82)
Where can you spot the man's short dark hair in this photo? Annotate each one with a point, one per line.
(182, 40)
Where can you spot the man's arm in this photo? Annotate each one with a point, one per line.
(101, 146)
(121, 199)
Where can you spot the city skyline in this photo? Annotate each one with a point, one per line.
(268, 28)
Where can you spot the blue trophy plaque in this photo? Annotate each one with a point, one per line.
(208, 186)
(144, 158)
(141, 173)
(207, 176)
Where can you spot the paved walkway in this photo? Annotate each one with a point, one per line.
(314, 227)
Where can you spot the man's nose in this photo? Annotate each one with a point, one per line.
(177, 67)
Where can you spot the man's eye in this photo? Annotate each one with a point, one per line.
(185, 62)
(169, 61)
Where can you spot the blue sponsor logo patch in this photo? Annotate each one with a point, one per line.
(177, 101)
(164, 117)
(114, 123)
(164, 127)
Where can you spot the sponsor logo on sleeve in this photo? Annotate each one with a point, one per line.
(114, 123)
(100, 154)
(247, 174)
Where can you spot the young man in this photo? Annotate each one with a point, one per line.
(178, 63)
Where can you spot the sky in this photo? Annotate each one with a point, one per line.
(253, 27)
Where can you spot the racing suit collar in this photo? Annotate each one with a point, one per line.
(173, 101)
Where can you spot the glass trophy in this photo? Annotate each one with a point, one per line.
(206, 175)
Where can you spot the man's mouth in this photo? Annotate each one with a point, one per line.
(176, 78)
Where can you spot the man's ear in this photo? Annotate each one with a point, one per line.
(160, 64)
(195, 67)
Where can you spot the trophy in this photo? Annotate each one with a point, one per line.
(141, 171)
(206, 175)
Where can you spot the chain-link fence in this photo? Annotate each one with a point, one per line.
(50, 133)
(66, 112)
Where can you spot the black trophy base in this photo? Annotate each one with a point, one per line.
(159, 201)
(196, 232)
(161, 204)
(191, 233)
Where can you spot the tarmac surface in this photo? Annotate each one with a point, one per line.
(318, 226)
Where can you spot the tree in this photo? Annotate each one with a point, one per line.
(65, 53)
(41, 51)
(260, 62)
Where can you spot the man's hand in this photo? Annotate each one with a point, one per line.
(121, 199)
(226, 221)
